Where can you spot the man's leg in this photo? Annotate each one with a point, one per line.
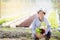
(47, 37)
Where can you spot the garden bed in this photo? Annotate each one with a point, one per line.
(21, 34)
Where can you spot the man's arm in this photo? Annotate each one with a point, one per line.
(33, 26)
(48, 26)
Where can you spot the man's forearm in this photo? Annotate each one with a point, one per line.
(48, 29)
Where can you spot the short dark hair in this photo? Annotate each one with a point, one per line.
(41, 11)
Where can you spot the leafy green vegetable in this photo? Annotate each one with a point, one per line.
(38, 30)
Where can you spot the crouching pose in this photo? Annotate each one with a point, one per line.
(40, 27)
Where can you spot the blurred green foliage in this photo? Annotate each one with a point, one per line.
(3, 20)
(53, 19)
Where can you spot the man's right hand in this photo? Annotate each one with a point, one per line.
(39, 35)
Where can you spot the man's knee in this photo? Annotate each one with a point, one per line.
(47, 37)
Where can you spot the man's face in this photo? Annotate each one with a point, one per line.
(41, 15)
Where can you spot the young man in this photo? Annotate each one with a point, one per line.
(37, 23)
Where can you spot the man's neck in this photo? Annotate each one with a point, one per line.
(41, 19)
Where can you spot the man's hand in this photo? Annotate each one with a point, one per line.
(44, 34)
(40, 35)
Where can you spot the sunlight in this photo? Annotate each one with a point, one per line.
(24, 8)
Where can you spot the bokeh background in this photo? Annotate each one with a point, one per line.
(17, 15)
(13, 11)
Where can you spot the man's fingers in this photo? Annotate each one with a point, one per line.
(39, 35)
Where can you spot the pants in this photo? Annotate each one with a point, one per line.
(47, 36)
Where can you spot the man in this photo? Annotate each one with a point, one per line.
(37, 23)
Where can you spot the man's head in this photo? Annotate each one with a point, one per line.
(41, 14)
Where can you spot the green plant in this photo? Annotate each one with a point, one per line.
(2, 21)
